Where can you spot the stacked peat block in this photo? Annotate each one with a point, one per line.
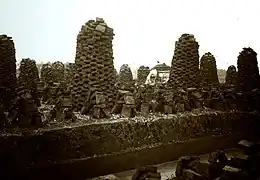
(24, 112)
(146, 96)
(208, 71)
(125, 104)
(51, 93)
(29, 78)
(125, 78)
(142, 74)
(46, 73)
(247, 70)
(231, 76)
(96, 104)
(185, 63)
(195, 98)
(248, 80)
(63, 106)
(181, 100)
(94, 62)
(58, 70)
(169, 105)
(8, 80)
(146, 173)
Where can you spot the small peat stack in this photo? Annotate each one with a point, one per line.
(94, 62)
(142, 74)
(8, 81)
(58, 70)
(125, 77)
(185, 63)
(46, 73)
(231, 75)
(247, 70)
(208, 71)
(29, 78)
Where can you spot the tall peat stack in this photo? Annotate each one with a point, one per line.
(8, 80)
(125, 78)
(94, 62)
(231, 75)
(185, 63)
(247, 70)
(208, 71)
(142, 74)
(29, 77)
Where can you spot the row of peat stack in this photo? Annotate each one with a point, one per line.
(54, 72)
(18, 98)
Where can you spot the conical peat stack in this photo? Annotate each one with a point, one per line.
(125, 78)
(8, 79)
(231, 75)
(208, 71)
(46, 73)
(94, 62)
(29, 77)
(185, 63)
(247, 70)
(142, 74)
(58, 70)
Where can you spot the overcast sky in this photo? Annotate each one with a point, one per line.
(145, 30)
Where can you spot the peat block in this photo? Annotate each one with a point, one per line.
(46, 146)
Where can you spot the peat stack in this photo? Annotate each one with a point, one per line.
(46, 73)
(125, 77)
(29, 78)
(8, 80)
(58, 70)
(231, 75)
(185, 63)
(208, 71)
(94, 62)
(247, 70)
(142, 74)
